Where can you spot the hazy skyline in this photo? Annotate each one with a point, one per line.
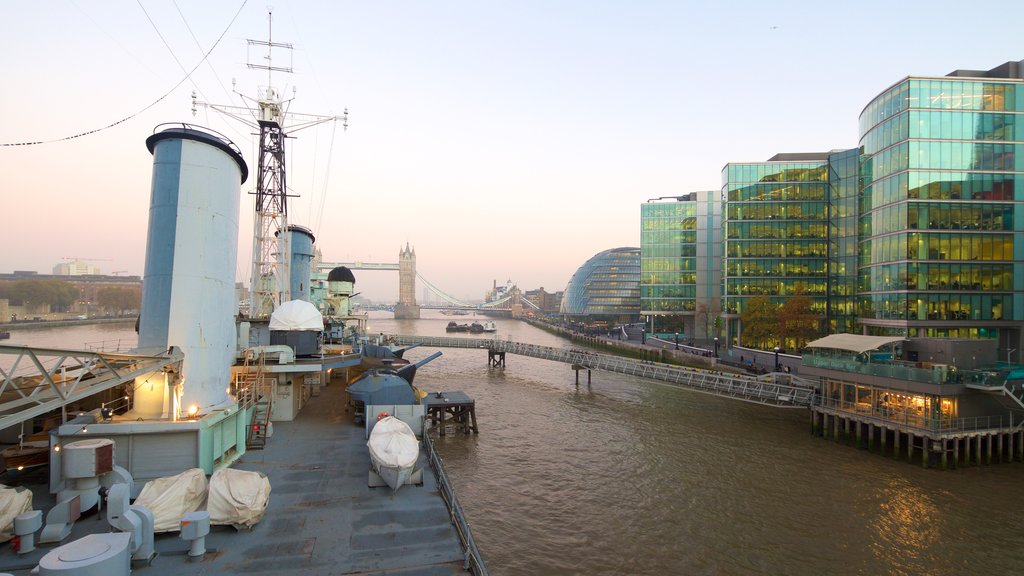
(502, 141)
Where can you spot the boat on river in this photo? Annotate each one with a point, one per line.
(4, 335)
(489, 326)
(394, 450)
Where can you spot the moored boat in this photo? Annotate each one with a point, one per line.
(394, 450)
(489, 326)
(476, 328)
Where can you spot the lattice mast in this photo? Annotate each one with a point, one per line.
(269, 283)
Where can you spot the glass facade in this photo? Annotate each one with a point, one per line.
(776, 233)
(941, 198)
(680, 255)
(841, 309)
(607, 286)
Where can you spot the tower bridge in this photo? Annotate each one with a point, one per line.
(514, 302)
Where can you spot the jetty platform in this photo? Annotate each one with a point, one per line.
(322, 517)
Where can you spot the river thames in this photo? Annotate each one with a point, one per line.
(630, 476)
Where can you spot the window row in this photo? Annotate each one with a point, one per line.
(763, 249)
(777, 211)
(759, 230)
(667, 265)
(938, 125)
(776, 192)
(958, 277)
(669, 251)
(775, 287)
(943, 155)
(649, 238)
(663, 305)
(937, 216)
(937, 246)
(734, 304)
(780, 268)
(775, 172)
(670, 210)
(934, 185)
(664, 225)
(668, 291)
(931, 306)
(668, 278)
(944, 95)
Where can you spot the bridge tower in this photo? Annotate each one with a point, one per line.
(515, 304)
(406, 307)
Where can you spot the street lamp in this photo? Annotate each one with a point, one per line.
(716, 346)
(677, 340)
(776, 358)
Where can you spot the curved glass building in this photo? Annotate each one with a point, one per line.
(940, 253)
(606, 287)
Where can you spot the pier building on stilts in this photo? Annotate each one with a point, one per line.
(940, 402)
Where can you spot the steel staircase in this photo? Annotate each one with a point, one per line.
(253, 392)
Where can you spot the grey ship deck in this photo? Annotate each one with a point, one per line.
(322, 518)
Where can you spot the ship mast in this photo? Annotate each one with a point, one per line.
(269, 283)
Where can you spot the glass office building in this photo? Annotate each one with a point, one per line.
(941, 200)
(680, 264)
(776, 233)
(606, 288)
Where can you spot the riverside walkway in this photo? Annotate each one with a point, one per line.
(771, 389)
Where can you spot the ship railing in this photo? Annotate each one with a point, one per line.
(34, 381)
(119, 345)
(473, 561)
(771, 391)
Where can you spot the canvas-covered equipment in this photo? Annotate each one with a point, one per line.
(13, 503)
(238, 497)
(172, 497)
(296, 315)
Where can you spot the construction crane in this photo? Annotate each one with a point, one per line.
(76, 258)
(269, 283)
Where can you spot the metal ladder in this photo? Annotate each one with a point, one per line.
(253, 393)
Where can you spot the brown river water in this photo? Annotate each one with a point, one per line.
(630, 476)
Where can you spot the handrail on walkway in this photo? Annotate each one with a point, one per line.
(773, 390)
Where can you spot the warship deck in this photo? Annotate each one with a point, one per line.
(322, 517)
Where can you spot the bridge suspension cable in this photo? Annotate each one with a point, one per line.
(456, 301)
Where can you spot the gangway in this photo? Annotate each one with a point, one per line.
(35, 381)
(771, 390)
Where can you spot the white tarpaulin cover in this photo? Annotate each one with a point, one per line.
(172, 497)
(392, 443)
(297, 315)
(238, 497)
(13, 503)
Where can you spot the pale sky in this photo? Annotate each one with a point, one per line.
(502, 140)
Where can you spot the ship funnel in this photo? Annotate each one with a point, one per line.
(188, 294)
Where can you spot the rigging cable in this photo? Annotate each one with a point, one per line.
(154, 103)
(327, 177)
